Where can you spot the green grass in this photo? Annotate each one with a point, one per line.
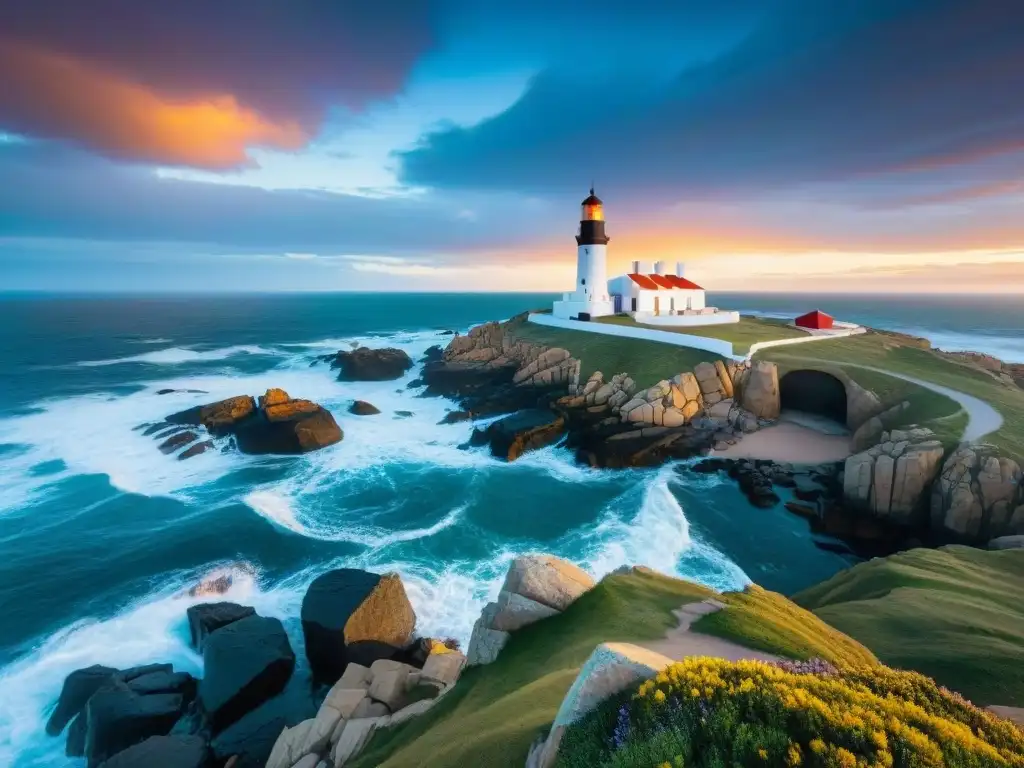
(749, 330)
(648, 362)
(767, 621)
(899, 355)
(495, 712)
(955, 614)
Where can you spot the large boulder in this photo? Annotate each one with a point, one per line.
(206, 618)
(79, 686)
(890, 480)
(117, 718)
(287, 426)
(350, 615)
(978, 496)
(251, 739)
(164, 752)
(365, 364)
(512, 436)
(761, 390)
(363, 408)
(547, 580)
(246, 663)
(219, 418)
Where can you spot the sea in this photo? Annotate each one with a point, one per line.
(101, 535)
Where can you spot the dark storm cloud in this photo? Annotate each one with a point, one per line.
(50, 191)
(195, 82)
(821, 90)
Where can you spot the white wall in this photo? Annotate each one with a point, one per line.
(718, 318)
(723, 348)
(804, 339)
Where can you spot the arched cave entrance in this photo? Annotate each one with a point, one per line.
(814, 392)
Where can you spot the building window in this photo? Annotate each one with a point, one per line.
(634, 304)
(583, 281)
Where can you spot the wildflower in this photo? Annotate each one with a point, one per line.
(659, 697)
(762, 753)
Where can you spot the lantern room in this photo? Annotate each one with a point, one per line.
(593, 208)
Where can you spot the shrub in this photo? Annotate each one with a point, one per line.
(712, 712)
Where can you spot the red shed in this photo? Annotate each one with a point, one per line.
(816, 319)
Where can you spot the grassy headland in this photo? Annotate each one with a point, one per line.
(955, 614)
(749, 330)
(496, 711)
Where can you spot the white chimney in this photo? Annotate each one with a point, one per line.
(645, 267)
(680, 269)
(659, 268)
(636, 268)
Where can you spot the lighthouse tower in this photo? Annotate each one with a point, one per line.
(590, 297)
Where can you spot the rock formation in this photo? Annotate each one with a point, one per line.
(363, 408)
(349, 615)
(365, 364)
(512, 436)
(206, 618)
(761, 391)
(890, 480)
(536, 587)
(978, 496)
(278, 424)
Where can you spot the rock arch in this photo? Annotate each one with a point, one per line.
(815, 392)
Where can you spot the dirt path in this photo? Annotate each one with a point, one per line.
(680, 642)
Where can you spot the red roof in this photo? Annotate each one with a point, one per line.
(815, 319)
(644, 282)
(666, 282)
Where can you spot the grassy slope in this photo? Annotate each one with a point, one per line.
(648, 362)
(747, 331)
(955, 614)
(891, 353)
(495, 712)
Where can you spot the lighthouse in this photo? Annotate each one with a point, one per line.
(590, 297)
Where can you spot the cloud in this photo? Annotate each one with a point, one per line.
(196, 83)
(819, 91)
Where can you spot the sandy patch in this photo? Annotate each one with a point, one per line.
(791, 443)
(680, 642)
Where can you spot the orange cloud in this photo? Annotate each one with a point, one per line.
(60, 97)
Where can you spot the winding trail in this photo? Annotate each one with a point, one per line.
(982, 418)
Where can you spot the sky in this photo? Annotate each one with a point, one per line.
(424, 145)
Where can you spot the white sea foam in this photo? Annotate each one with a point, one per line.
(150, 341)
(180, 355)
(153, 629)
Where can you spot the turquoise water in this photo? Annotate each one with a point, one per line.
(100, 533)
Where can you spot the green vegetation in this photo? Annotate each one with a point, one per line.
(767, 621)
(905, 355)
(749, 330)
(714, 713)
(648, 362)
(955, 614)
(495, 712)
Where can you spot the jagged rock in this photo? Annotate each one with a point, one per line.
(513, 611)
(195, 450)
(725, 377)
(117, 718)
(177, 440)
(511, 437)
(287, 426)
(363, 408)
(761, 390)
(443, 668)
(548, 580)
(352, 615)
(251, 739)
(78, 687)
(889, 480)
(219, 418)
(979, 495)
(164, 682)
(485, 644)
(164, 752)
(206, 618)
(246, 663)
(365, 364)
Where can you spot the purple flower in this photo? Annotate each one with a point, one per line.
(621, 733)
(810, 667)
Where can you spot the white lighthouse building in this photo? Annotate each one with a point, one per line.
(590, 298)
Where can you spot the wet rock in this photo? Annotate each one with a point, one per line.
(246, 663)
(117, 718)
(206, 618)
(403, 414)
(287, 426)
(176, 441)
(164, 682)
(350, 615)
(802, 510)
(195, 450)
(220, 417)
(365, 364)
(251, 739)
(78, 687)
(363, 408)
(164, 752)
(511, 437)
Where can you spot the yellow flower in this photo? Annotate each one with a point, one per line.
(794, 756)
(659, 697)
(817, 746)
(762, 753)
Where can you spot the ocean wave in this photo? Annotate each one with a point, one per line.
(181, 355)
